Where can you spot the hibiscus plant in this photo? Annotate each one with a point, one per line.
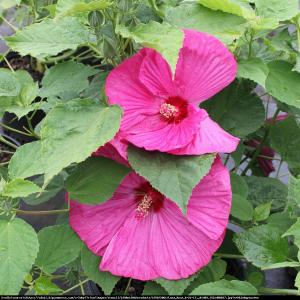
(149, 147)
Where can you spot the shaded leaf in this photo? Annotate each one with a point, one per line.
(95, 180)
(59, 245)
(262, 212)
(174, 176)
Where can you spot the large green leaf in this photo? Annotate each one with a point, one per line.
(236, 109)
(66, 80)
(276, 9)
(9, 86)
(69, 134)
(152, 288)
(19, 188)
(236, 7)
(285, 139)
(73, 7)
(265, 190)
(262, 245)
(90, 264)
(253, 69)
(283, 83)
(49, 37)
(224, 26)
(95, 180)
(59, 245)
(293, 194)
(164, 38)
(18, 250)
(225, 287)
(5, 4)
(174, 176)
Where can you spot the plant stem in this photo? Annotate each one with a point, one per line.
(8, 64)
(14, 130)
(59, 58)
(8, 23)
(128, 286)
(3, 140)
(40, 212)
(75, 286)
(267, 291)
(81, 288)
(234, 256)
(263, 141)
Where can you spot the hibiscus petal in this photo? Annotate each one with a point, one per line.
(155, 74)
(209, 138)
(205, 67)
(153, 133)
(163, 244)
(116, 150)
(97, 224)
(210, 203)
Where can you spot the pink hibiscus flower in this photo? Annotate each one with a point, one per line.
(161, 112)
(141, 234)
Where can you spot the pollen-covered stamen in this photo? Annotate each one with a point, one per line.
(174, 109)
(168, 111)
(143, 208)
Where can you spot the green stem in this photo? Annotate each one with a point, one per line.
(14, 130)
(268, 291)
(234, 256)
(8, 23)
(262, 143)
(95, 49)
(59, 58)
(3, 140)
(250, 45)
(8, 64)
(81, 288)
(127, 287)
(75, 286)
(40, 212)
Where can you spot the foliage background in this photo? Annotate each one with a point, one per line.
(66, 49)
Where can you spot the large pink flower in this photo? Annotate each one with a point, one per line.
(161, 112)
(143, 235)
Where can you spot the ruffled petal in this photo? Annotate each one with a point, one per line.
(153, 133)
(209, 138)
(163, 244)
(205, 67)
(155, 74)
(116, 149)
(97, 224)
(209, 206)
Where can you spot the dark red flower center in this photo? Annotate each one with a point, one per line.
(148, 198)
(174, 109)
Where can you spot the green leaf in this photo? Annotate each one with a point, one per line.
(55, 185)
(214, 271)
(69, 134)
(49, 37)
(262, 245)
(18, 250)
(297, 281)
(253, 69)
(174, 176)
(5, 4)
(19, 188)
(164, 38)
(241, 208)
(236, 7)
(154, 289)
(236, 110)
(224, 26)
(294, 230)
(71, 7)
(44, 286)
(225, 287)
(66, 80)
(96, 86)
(59, 245)
(238, 185)
(285, 264)
(265, 190)
(283, 83)
(285, 139)
(281, 220)
(95, 180)
(262, 212)
(9, 85)
(90, 264)
(293, 194)
(275, 10)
